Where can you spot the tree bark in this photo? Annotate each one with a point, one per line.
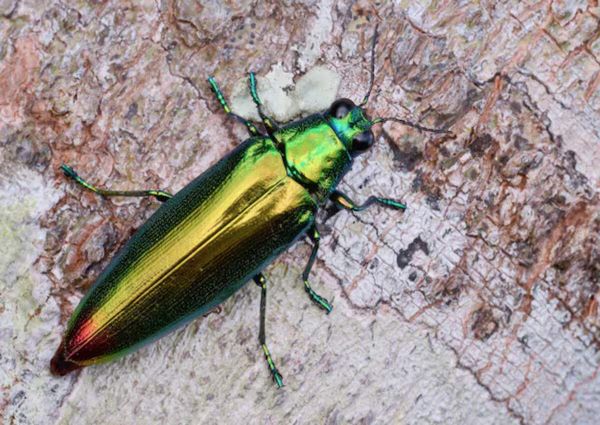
(479, 304)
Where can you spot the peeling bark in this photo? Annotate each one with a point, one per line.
(479, 304)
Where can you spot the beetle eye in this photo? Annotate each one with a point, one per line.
(363, 141)
(340, 108)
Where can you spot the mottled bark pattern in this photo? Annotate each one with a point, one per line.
(478, 305)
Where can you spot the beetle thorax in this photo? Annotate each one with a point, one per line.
(314, 154)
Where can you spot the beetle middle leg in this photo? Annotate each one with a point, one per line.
(158, 194)
(315, 236)
(343, 201)
(217, 91)
(262, 338)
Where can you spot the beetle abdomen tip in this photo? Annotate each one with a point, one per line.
(59, 366)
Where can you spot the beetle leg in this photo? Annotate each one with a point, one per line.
(342, 201)
(217, 91)
(315, 236)
(262, 282)
(158, 194)
(269, 124)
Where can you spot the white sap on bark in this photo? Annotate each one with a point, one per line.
(477, 305)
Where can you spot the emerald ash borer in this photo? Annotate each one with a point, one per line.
(221, 230)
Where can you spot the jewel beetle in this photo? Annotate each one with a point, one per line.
(221, 230)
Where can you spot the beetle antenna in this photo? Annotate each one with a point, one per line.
(372, 81)
(372, 71)
(410, 124)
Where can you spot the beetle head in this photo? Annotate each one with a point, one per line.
(352, 125)
(351, 122)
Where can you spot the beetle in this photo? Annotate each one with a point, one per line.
(221, 230)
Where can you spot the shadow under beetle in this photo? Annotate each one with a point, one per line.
(205, 242)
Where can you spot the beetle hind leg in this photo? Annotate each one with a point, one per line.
(71, 173)
(315, 236)
(262, 283)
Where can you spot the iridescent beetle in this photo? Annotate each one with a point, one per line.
(221, 230)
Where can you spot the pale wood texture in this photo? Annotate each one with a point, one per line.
(477, 305)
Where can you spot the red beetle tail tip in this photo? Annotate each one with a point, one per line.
(59, 366)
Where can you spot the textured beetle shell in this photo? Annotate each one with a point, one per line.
(194, 252)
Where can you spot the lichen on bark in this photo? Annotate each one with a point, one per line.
(479, 304)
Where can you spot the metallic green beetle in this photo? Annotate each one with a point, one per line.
(220, 231)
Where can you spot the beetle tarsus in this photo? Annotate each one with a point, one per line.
(317, 299)
(274, 371)
(68, 171)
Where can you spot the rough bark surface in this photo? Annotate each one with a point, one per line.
(478, 305)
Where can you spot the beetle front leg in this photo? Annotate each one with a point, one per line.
(262, 338)
(315, 236)
(160, 195)
(270, 125)
(343, 201)
(217, 91)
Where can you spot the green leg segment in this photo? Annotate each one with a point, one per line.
(269, 124)
(344, 202)
(217, 91)
(315, 236)
(262, 338)
(158, 194)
